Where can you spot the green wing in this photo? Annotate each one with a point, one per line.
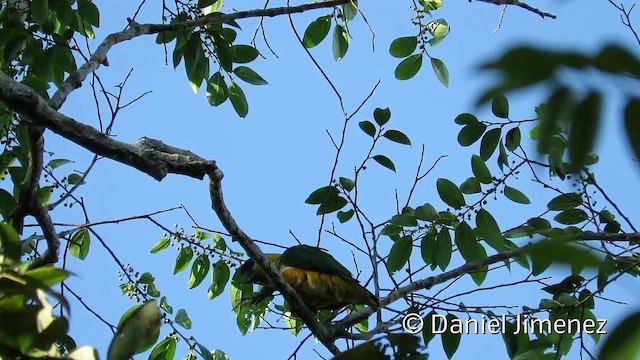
(312, 258)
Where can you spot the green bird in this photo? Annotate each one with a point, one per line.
(321, 281)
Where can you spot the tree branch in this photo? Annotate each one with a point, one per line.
(156, 159)
(427, 283)
(75, 80)
(523, 5)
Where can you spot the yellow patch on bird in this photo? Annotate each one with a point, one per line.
(320, 290)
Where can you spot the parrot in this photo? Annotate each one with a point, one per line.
(320, 280)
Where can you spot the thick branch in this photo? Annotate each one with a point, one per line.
(157, 160)
(253, 251)
(429, 282)
(521, 4)
(75, 80)
(149, 156)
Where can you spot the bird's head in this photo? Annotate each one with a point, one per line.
(252, 273)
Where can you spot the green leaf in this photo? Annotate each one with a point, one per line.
(316, 31)
(571, 217)
(385, 161)
(426, 212)
(56, 163)
(408, 67)
(367, 127)
(40, 10)
(331, 205)
(199, 270)
(138, 330)
(500, 107)
(217, 90)
(397, 136)
(470, 133)
(438, 28)
(44, 194)
(489, 143)
(340, 42)
(466, 119)
(82, 353)
(441, 71)
(350, 10)
(164, 305)
(183, 259)
(347, 183)
(161, 245)
(243, 54)
(219, 279)
(403, 46)
(466, 242)
(538, 223)
(480, 275)
(328, 198)
(547, 252)
(584, 127)
(471, 186)
(431, 321)
(165, 350)
(182, 319)
(516, 195)
(565, 202)
(503, 159)
(428, 247)
(632, 125)
(238, 100)
(381, 116)
(89, 13)
(146, 278)
(79, 244)
(480, 170)
(489, 230)
(73, 179)
(623, 342)
(248, 75)
(444, 248)
(343, 216)
(451, 340)
(408, 220)
(320, 195)
(399, 254)
(450, 194)
(513, 138)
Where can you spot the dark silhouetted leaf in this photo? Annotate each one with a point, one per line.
(470, 186)
(480, 169)
(381, 116)
(565, 202)
(385, 161)
(471, 133)
(399, 254)
(367, 127)
(584, 127)
(397, 136)
(450, 194)
(500, 107)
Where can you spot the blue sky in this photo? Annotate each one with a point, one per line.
(280, 153)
